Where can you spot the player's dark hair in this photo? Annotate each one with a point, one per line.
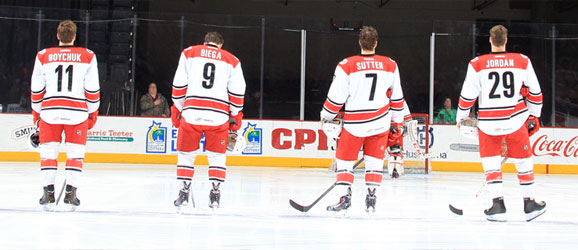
(368, 37)
(66, 31)
(214, 37)
(499, 34)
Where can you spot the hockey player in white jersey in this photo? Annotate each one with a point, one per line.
(368, 86)
(65, 94)
(208, 95)
(510, 103)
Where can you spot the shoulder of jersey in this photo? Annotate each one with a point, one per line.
(385, 58)
(229, 56)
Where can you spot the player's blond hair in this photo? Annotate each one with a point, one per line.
(368, 37)
(214, 37)
(66, 31)
(499, 34)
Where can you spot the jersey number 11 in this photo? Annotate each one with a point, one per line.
(59, 72)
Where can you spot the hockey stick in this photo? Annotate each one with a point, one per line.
(458, 211)
(306, 208)
(61, 191)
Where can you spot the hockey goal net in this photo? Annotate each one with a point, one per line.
(415, 162)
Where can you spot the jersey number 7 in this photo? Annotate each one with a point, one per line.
(374, 82)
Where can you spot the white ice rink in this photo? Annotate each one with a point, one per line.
(125, 206)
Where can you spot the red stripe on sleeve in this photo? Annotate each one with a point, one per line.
(535, 98)
(37, 97)
(92, 96)
(465, 104)
(238, 101)
(179, 92)
(398, 104)
(333, 108)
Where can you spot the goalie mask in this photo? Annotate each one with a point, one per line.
(34, 141)
(235, 144)
(332, 128)
(469, 128)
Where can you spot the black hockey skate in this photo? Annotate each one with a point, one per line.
(70, 197)
(533, 209)
(343, 204)
(47, 200)
(215, 196)
(183, 198)
(394, 174)
(498, 210)
(370, 200)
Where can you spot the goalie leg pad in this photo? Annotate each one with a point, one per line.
(395, 163)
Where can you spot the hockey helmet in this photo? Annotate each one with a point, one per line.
(34, 141)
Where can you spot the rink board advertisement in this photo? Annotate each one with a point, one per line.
(153, 140)
(555, 150)
(276, 143)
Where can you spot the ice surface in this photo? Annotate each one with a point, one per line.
(131, 206)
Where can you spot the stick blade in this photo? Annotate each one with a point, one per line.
(456, 210)
(298, 207)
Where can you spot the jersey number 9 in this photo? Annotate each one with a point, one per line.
(209, 75)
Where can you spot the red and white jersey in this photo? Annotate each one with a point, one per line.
(495, 81)
(65, 86)
(208, 85)
(360, 85)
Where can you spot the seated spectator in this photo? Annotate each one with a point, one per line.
(154, 103)
(447, 114)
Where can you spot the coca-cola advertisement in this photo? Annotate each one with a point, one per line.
(556, 144)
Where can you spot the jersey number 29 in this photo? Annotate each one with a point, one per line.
(507, 80)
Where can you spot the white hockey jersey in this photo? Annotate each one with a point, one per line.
(495, 81)
(208, 85)
(360, 85)
(65, 86)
